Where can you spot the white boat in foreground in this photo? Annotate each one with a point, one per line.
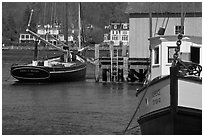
(172, 102)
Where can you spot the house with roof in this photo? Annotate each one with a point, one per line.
(54, 30)
(117, 33)
(151, 19)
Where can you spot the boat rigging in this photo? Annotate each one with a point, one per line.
(69, 66)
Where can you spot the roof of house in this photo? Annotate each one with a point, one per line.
(163, 7)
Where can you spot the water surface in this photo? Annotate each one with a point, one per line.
(79, 108)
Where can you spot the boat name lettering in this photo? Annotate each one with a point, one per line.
(27, 70)
(156, 93)
(156, 101)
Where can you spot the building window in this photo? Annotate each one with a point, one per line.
(156, 55)
(115, 32)
(27, 36)
(22, 36)
(114, 37)
(171, 51)
(124, 38)
(178, 29)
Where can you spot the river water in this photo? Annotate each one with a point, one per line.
(71, 108)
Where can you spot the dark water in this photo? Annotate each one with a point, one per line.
(79, 108)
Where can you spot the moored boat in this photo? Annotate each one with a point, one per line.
(69, 66)
(54, 69)
(171, 103)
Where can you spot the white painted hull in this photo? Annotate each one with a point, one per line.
(171, 107)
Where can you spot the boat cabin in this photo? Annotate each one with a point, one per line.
(163, 48)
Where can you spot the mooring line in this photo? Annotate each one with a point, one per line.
(136, 110)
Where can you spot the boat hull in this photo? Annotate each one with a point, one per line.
(186, 122)
(48, 74)
(171, 105)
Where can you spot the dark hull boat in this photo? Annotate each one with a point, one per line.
(50, 70)
(68, 67)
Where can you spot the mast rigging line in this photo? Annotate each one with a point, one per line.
(46, 42)
(38, 36)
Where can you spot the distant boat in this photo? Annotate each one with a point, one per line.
(69, 66)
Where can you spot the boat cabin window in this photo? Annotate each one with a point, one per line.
(195, 54)
(156, 55)
(177, 29)
(171, 51)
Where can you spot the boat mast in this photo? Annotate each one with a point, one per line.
(182, 19)
(150, 35)
(66, 22)
(38, 36)
(36, 41)
(79, 24)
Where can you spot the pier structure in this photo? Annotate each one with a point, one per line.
(116, 66)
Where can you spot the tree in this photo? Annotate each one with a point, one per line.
(11, 32)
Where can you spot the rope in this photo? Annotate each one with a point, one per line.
(8, 78)
(136, 109)
(133, 127)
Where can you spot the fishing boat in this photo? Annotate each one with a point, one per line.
(170, 102)
(69, 66)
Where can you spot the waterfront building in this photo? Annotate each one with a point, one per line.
(42, 30)
(117, 32)
(26, 38)
(164, 19)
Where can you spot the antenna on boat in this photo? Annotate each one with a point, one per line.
(29, 21)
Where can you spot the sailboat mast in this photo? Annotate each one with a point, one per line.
(66, 22)
(79, 21)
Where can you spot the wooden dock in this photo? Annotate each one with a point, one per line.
(118, 67)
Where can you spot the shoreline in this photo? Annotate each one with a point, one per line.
(50, 48)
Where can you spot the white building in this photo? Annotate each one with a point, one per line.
(117, 32)
(166, 15)
(42, 31)
(26, 38)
